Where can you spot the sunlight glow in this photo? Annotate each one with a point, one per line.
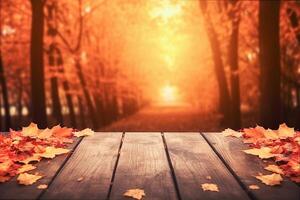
(169, 94)
(166, 11)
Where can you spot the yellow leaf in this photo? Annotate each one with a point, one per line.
(4, 167)
(210, 187)
(51, 152)
(135, 193)
(272, 179)
(254, 187)
(45, 134)
(85, 132)
(34, 157)
(42, 186)
(31, 131)
(263, 153)
(28, 179)
(274, 168)
(229, 132)
(26, 168)
(284, 131)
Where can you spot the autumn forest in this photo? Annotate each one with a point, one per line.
(91, 63)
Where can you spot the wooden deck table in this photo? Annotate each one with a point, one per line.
(164, 165)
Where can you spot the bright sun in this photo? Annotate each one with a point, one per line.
(169, 94)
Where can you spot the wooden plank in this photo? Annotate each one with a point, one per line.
(143, 164)
(193, 160)
(93, 161)
(48, 168)
(247, 166)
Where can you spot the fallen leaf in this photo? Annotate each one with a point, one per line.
(229, 132)
(85, 132)
(51, 152)
(4, 179)
(33, 158)
(42, 186)
(274, 168)
(28, 179)
(208, 177)
(284, 131)
(272, 179)
(254, 187)
(80, 179)
(26, 168)
(264, 152)
(210, 187)
(135, 193)
(30, 131)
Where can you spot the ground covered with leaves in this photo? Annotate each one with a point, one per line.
(281, 145)
(19, 149)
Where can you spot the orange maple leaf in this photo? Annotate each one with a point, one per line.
(135, 193)
(272, 179)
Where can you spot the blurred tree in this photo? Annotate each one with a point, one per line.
(269, 45)
(224, 96)
(3, 82)
(233, 60)
(38, 102)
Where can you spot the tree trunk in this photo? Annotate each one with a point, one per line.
(38, 100)
(56, 105)
(7, 120)
(234, 74)
(269, 44)
(70, 104)
(81, 112)
(86, 94)
(224, 97)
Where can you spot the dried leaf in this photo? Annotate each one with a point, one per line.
(80, 179)
(253, 187)
(264, 152)
(272, 179)
(33, 158)
(229, 132)
(210, 187)
(28, 179)
(274, 168)
(135, 193)
(208, 177)
(31, 131)
(26, 168)
(284, 131)
(42, 186)
(4, 179)
(51, 152)
(85, 132)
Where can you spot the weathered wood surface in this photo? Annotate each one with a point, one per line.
(172, 166)
(48, 168)
(93, 162)
(143, 164)
(245, 167)
(193, 160)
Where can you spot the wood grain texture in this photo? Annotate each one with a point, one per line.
(193, 160)
(48, 168)
(247, 166)
(93, 161)
(143, 164)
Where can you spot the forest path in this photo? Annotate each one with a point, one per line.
(167, 118)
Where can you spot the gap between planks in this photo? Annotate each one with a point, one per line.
(171, 167)
(61, 167)
(115, 167)
(243, 186)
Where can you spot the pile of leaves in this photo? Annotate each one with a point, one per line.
(19, 149)
(281, 145)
